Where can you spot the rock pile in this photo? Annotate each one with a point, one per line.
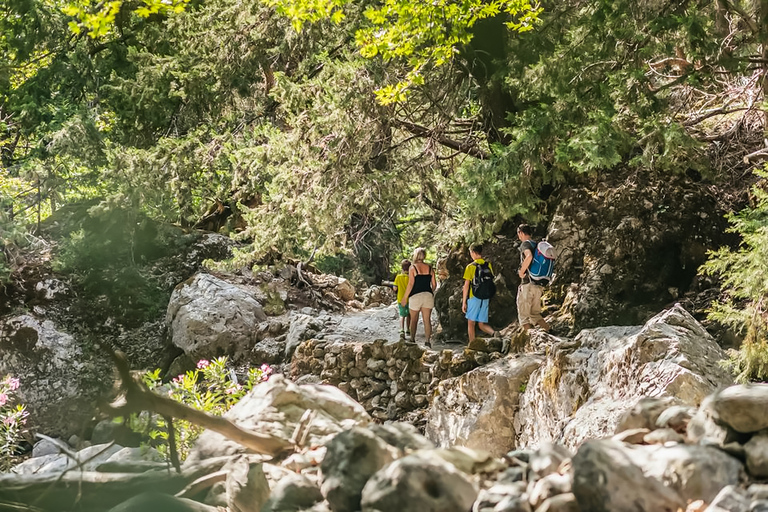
(663, 457)
(388, 378)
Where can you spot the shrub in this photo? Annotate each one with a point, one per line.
(211, 387)
(744, 274)
(12, 420)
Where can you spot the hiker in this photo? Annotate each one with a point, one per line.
(529, 292)
(419, 294)
(478, 280)
(401, 284)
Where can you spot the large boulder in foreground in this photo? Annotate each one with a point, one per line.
(588, 383)
(209, 317)
(476, 409)
(59, 383)
(610, 476)
(276, 407)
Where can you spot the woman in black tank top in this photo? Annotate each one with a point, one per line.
(418, 295)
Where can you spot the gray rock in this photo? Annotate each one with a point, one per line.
(676, 417)
(158, 502)
(403, 436)
(276, 407)
(644, 414)
(729, 499)
(694, 472)
(662, 436)
(547, 487)
(506, 497)
(744, 408)
(477, 409)
(706, 427)
(51, 368)
(605, 479)
(757, 456)
(87, 459)
(45, 447)
(560, 503)
(303, 326)
(292, 493)
(246, 486)
(417, 483)
(352, 458)
(587, 385)
(208, 317)
(547, 459)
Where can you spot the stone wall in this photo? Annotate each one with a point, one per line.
(389, 379)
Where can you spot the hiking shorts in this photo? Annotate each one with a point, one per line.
(477, 310)
(402, 310)
(421, 300)
(529, 304)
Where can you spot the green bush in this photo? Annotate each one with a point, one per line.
(744, 274)
(209, 388)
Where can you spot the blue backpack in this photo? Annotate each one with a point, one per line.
(543, 263)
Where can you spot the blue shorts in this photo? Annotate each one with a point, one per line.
(477, 310)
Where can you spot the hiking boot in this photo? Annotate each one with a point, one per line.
(402, 335)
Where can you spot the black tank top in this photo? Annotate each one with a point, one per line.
(421, 282)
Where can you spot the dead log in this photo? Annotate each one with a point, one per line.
(92, 491)
(134, 397)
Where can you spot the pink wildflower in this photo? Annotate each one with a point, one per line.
(202, 364)
(12, 383)
(3, 398)
(234, 389)
(10, 420)
(265, 368)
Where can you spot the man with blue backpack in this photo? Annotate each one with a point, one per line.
(479, 289)
(536, 262)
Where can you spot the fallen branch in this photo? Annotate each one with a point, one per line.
(136, 397)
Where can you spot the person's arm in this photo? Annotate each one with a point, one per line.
(434, 281)
(411, 277)
(465, 296)
(526, 263)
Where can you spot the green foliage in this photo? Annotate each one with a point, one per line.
(107, 251)
(12, 420)
(209, 388)
(744, 274)
(424, 34)
(99, 18)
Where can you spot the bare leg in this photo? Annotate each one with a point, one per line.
(414, 323)
(426, 314)
(485, 328)
(471, 330)
(543, 324)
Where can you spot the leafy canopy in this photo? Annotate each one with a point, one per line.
(423, 33)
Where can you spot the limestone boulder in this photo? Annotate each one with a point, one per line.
(606, 479)
(208, 317)
(59, 383)
(353, 457)
(292, 493)
(588, 384)
(416, 483)
(744, 408)
(276, 407)
(477, 409)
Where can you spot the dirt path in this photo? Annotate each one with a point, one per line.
(381, 323)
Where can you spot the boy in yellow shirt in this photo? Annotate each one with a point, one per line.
(401, 283)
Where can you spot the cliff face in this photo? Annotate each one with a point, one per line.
(626, 249)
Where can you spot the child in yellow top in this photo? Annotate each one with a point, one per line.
(401, 283)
